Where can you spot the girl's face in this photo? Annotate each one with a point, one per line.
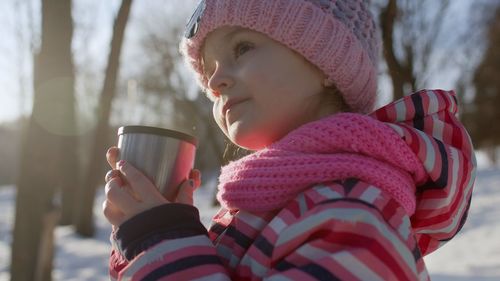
(261, 89)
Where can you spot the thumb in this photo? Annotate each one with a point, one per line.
(185, 193)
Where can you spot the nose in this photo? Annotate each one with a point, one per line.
(220, 80)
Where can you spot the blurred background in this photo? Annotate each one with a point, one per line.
(72, 72)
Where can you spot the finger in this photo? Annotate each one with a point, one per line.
(195, 175)
(117, 194)
(140, 184)
(185, 193)
(112, 156)
(111, 174)
(112, 213)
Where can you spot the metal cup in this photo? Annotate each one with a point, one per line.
(165, 156)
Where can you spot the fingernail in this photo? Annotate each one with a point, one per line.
(121, 163)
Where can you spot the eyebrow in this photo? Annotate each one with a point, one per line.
(233, 33)
(226, 37)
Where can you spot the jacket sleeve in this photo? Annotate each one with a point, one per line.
(117, 263)
(348, 239)
(174, 245)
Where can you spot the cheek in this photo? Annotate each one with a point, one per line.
(272, 83)
(263, 71)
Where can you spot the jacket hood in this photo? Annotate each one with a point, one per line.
(427, 122)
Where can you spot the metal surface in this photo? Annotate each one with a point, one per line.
(166, 161)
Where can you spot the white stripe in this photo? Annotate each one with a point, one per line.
(438, 128)
(431, 204)
(405, 228)
(224, 252)
(327, 192)
(455, 220)
(460, 210)
(347, 215)
(400, 111)
(214, 277)
(433, 102)
(157, 252)
(452, 102)
(396, 128)
(302, 203)
(256, 268)
(227, 253)
(277, 224)
(234, 261)
(277, 278)
(251, 219)
(311, 252)
(370, 194)
(357, 268)
(430, 156)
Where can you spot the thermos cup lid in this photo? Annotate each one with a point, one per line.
(157, 131)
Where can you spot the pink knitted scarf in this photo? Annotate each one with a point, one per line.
(338, 147)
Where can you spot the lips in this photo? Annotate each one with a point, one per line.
(231, 102)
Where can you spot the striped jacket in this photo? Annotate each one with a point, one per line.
(339, 230)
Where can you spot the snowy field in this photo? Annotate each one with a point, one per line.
(474, 255)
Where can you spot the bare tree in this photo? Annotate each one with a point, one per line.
(409, 31)
(162, 80)
(414, 33)
(40, 170)
(84, 217)
(486, 101)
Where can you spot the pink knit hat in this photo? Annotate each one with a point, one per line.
(338, 36)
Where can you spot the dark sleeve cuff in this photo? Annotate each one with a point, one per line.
(168, 221)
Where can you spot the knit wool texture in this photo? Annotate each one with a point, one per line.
(338, 147)
(337, 36)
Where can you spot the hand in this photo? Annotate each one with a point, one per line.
(129, 192)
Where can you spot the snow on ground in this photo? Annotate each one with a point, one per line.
(473, 255)
(77, 258)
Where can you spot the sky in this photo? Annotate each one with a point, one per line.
(93, 27)
(9, 62)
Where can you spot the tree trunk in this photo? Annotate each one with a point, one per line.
(70, 179)
(94, 175)
(69, 163)
(43, 270)
(401, 73)
(40, 171)
(35, 187)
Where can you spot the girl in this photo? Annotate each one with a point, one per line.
(332, 190)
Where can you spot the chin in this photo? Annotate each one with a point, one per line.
(251, 142)
(247, 144)
(253, 135)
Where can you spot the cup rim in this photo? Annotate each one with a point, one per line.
(138, 129)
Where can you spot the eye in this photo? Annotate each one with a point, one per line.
(240, 48)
